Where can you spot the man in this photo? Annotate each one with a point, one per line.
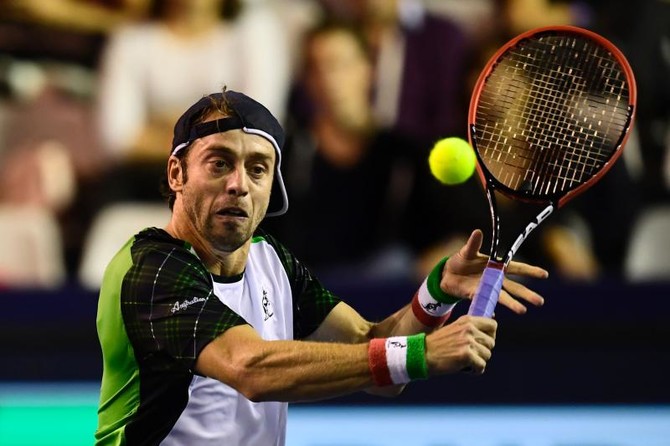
(421, 67)
(342, 157)
(208, 328)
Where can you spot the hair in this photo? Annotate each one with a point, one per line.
(218, 105)
(331, 25)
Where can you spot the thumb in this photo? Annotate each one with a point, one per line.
(471, 248)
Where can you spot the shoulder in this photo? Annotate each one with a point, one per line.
(266, 243)
(156, 253)
(156, 239)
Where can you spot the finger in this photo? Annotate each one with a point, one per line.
(506, 300)
(483, 351)
(520, 291)
(524, 269)
(471, 248)
(486, 341)
(485, 324)
(513, 291)
(477, 363)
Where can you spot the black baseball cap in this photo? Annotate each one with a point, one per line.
(249, 116)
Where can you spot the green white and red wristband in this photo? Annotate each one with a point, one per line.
(397, 359)
(432, 306)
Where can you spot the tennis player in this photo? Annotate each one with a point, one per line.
(209, 327)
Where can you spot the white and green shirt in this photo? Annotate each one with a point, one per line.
(159, 307)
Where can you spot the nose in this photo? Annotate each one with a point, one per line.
(237, 182)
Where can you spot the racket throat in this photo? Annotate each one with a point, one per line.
(546, 212)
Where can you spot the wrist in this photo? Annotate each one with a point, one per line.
(433, 282)
(397, 359)
(431, 305)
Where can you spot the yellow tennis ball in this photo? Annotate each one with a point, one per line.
(452, 161)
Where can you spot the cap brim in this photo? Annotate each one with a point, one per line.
(278, 197)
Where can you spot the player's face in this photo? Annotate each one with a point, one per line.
(227, 191)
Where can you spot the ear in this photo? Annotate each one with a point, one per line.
(175, 174)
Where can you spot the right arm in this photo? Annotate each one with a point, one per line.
(303, 370)
(338, 364)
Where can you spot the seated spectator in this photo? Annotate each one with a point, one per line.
(71, 31)
(421, 62)
(47, 147)
(152, 70)
(366, 186)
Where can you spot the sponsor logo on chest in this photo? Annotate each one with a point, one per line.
(268, 310)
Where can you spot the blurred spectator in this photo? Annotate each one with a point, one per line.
(567, 243)
(514, 17)
(79, 15)
(421, 60)
(522, 15)
(643, 34)
(475, 16)
(48, 55)
(421, 64)
(47, 144)
(63, 30)
(32, 251)
(38, 166)
(152, 70)
(365, 185)
(296, 17)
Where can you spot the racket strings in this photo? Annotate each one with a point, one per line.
(551, 113)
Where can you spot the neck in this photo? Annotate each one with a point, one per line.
(222, 263)
(340, 146)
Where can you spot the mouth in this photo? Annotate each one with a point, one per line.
(233, 212)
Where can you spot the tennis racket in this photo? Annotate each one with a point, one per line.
(549, 116)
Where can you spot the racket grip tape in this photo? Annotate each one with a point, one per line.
(488, 291)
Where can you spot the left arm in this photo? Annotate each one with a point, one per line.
(459, 277)
(344, 324)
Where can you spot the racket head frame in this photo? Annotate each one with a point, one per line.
(486, 177)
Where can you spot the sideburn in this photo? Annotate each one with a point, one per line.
(184, 169)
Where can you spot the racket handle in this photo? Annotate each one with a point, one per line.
(488, 291)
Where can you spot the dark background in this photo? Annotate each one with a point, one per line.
(605, 343)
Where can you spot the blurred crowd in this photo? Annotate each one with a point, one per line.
(90, 90)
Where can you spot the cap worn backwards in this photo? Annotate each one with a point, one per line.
(249, 116)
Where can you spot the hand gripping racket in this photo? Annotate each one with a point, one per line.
(549, 116)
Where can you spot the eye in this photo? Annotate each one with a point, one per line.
(220, 165)
(258, 170)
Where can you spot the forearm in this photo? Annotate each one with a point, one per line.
(303, 370)
(285, 370)
(403, 322)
